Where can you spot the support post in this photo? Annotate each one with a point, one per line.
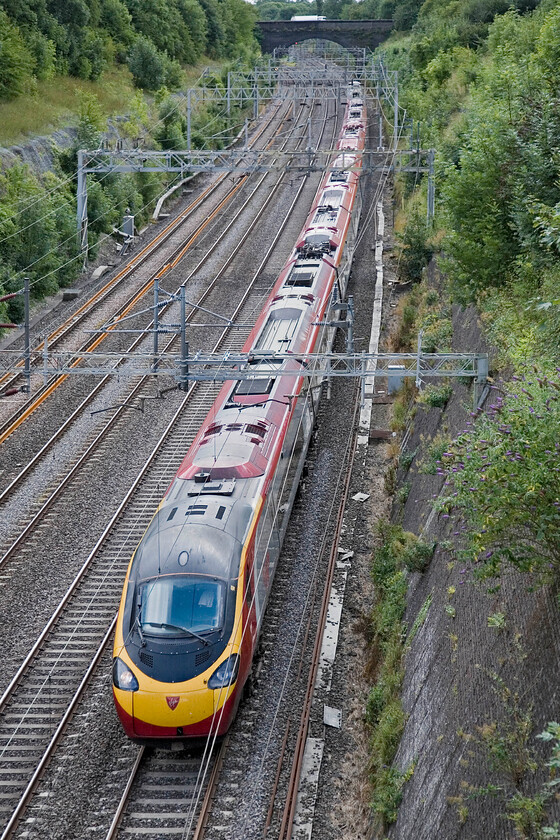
(156, 325)
(418, 356)
(184, 367)
(82, 213)
(189, 120)
(255, 96)
(246, 133)
(431, 186)
(228, 93)
(396, 115)
(46, 361)
(350, 319)
(27, 340)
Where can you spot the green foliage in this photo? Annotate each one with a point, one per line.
(416, 252)
(92, 121)
(506, 747)
(402, 493)
(37, 234)
(387, 795)
(505, 474)
(406, 459)
(147, 64)
(431, 460)
(157, 37)
(435, 396)
(419, 620)
(16, 64)
(398, 551)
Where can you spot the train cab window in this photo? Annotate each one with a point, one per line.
(303, 275)
(181, 605)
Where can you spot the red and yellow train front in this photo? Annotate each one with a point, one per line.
(181, 653)
(173, 711)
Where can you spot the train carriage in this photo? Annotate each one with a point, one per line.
(198, 583)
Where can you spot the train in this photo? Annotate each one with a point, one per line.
(197, 585)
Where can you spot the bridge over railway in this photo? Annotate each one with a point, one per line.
(348, 33)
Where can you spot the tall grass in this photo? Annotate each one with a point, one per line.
(54, 103)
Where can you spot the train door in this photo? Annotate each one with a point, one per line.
(266, 554)
(250, 598)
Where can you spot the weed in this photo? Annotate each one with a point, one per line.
(384, 712)
(387, 795)
(390, 479)
(506, 744)
(403, 407)
(406, 459)
(435, 396)
(497, 619)
(419, 620)
(402, 493)
(437, 336)
(430, 461)
(527, 814)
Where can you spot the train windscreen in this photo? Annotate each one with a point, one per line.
(178, 605)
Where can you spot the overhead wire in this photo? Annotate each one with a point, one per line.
(69, 201)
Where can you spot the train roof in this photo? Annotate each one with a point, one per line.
(200, 535)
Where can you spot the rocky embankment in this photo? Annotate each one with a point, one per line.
(481, 678)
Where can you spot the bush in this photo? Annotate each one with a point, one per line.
(416, 252)
(16, 65)
(504, 469)
(147, 65)
(430, 463)
(435, 396)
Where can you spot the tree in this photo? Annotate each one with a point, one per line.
(146, 64)
(16, 65)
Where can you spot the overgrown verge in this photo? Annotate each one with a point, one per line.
(38, 212)
(400, 552)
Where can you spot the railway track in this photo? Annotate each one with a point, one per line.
(77, 634)
(141, 271)
(92, 447)
(267, 806)
(93, 391)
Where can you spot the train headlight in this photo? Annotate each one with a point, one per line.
(226, 673)
(123, 677)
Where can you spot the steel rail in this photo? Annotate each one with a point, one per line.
(205, 809)
(24, 668)
(55, 740)
(92, 447)
(86, 309)
(297, 761)
(148, 249)
(204, 815)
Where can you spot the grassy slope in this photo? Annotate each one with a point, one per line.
(55, 103)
